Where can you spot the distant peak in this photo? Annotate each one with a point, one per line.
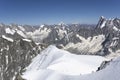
(61, 23)
(102, 17)
(42, 25)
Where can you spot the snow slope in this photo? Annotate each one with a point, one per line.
(55, 64)
(111, 72)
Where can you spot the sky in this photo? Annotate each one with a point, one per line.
(56, 11)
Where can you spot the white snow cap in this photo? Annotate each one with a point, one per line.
(42, 25)
(102, 17)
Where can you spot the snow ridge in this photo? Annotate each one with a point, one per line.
(7, 38)
(53, 62)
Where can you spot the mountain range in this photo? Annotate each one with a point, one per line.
(20, 44)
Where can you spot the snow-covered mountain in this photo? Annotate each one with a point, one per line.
(21, 43)
(71, 36)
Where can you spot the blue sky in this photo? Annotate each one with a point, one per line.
(55, 11)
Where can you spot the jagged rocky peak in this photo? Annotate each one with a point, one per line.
(116, 22)
(110, 28)
(101, 22)
(112, 23)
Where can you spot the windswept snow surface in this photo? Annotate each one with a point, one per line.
(55, 64)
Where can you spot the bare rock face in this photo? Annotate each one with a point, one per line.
(18, 77)
(15, 56)
(103, 65)
(111, 29)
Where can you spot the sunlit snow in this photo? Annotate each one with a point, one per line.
(53, 61)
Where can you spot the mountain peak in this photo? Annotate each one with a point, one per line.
(101, 22)
(102, 17)
(109, 23)
(42, 25)
(61, 23)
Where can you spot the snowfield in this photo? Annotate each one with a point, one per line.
(111, 72)
(56, 64)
